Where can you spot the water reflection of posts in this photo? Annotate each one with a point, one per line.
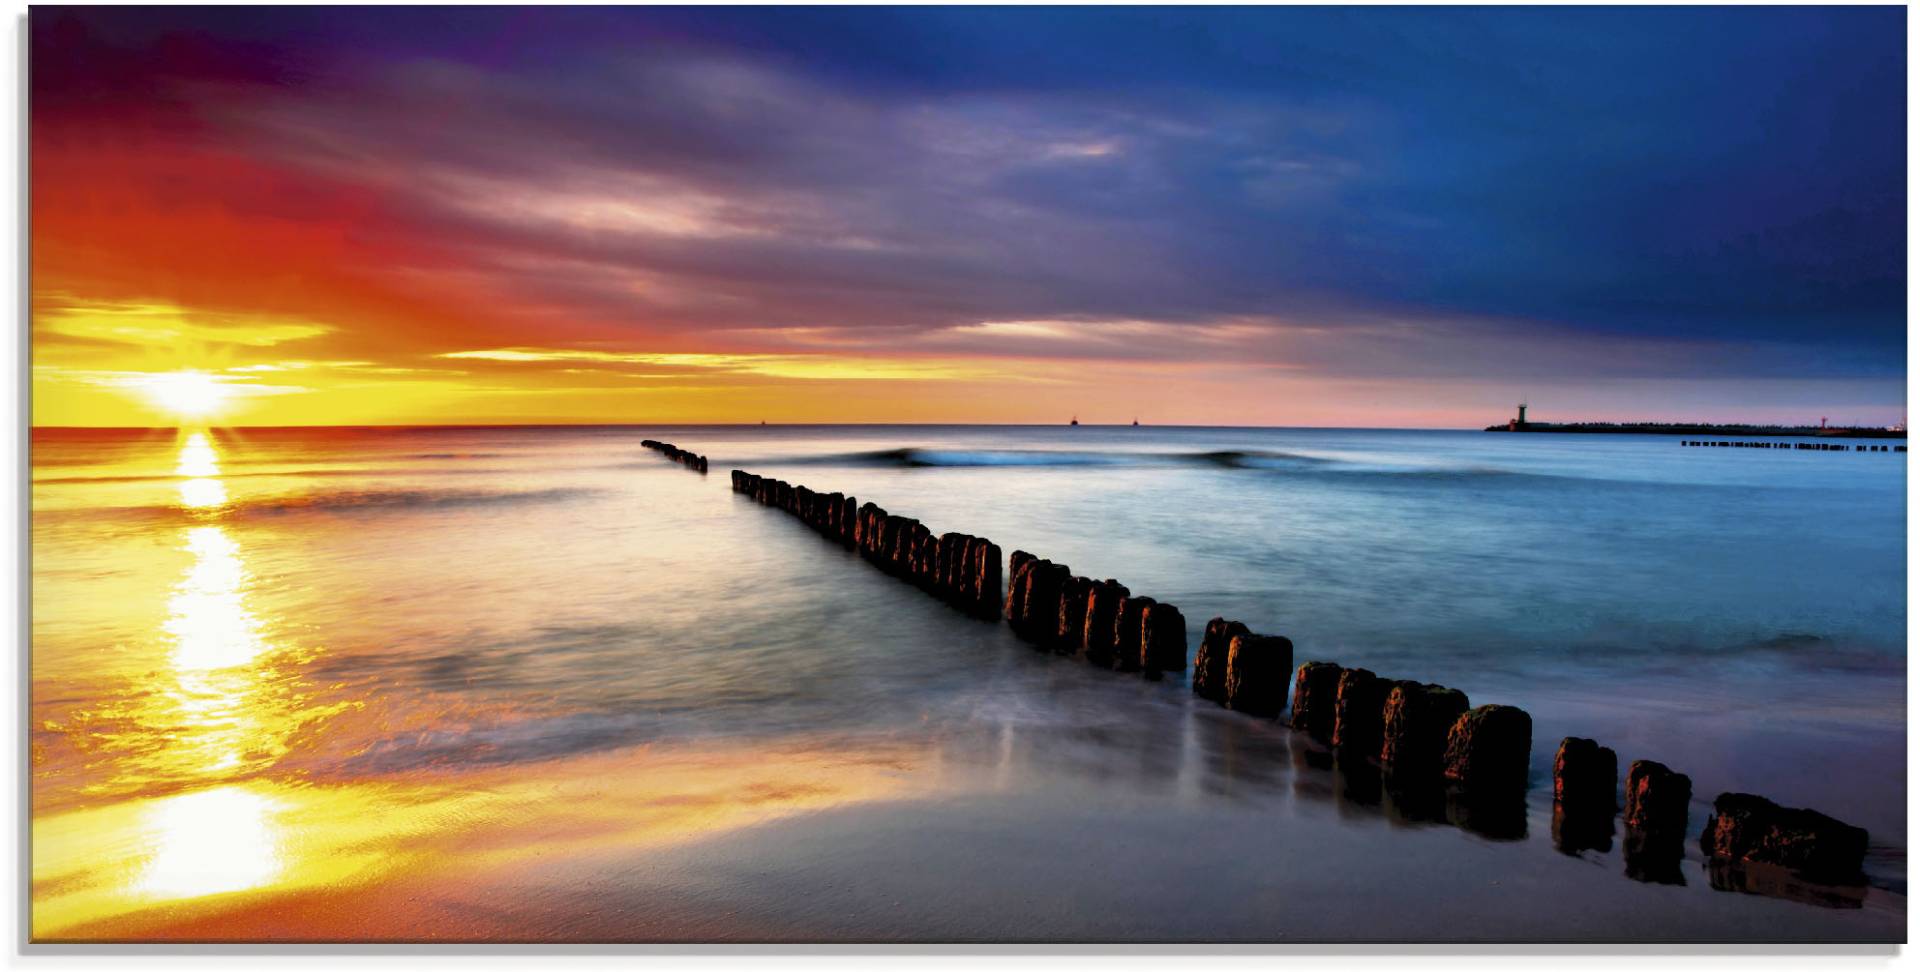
(1311, 760)
(1413, 799)
(1574, 832)
(1774, 881)
(1497, 813)
(1756, 846)
(1237, 761)
(1356, 781)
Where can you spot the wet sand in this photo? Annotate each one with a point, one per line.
(1172, 820)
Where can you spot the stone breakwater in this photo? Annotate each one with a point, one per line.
(1420, 747)
(1802, 446)
(693, 461)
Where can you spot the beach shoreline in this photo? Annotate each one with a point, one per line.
(730, 729)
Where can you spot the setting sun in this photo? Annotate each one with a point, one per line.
(189, 394)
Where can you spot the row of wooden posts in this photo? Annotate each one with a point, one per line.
(961, 569)
(691, 460)
(1416, 736)
(1102, 622)
(1805, 446)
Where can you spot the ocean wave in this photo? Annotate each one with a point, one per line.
(1232, 459)
(1244, 459)
(918, 457)
(911, 457)
(997, 457)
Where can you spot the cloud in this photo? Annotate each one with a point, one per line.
(1512, 195)
(810, 367)
(160, 324)
(748, 194)
(140, 382)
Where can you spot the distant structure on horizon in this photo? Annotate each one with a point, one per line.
(1519, 423)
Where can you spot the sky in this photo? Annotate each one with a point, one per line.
(1403, 217)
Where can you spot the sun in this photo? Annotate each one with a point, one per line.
(187, 394)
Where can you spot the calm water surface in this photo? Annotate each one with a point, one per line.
(540, 684)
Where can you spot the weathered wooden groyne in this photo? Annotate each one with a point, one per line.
(691, 460)
(959, 568)
(1103, 623)
(1421, 745)
(1431, 750)
(1803, 446)
(1419, 742)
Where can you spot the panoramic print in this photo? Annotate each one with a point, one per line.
(945, 475)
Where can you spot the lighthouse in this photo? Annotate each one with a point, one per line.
(1516, 424)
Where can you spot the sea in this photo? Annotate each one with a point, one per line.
(543, 684)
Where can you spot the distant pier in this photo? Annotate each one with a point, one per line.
(1519, 423)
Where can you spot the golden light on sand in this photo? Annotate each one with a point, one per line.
(188, 394)
(221, 856)
(209, 842)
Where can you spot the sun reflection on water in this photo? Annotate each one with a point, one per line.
(221, 839)
(208, 618)
(200, 464)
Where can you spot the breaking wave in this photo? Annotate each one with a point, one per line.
(1248, 460)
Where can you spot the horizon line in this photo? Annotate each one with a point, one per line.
(741, 425)
(1009, 425)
